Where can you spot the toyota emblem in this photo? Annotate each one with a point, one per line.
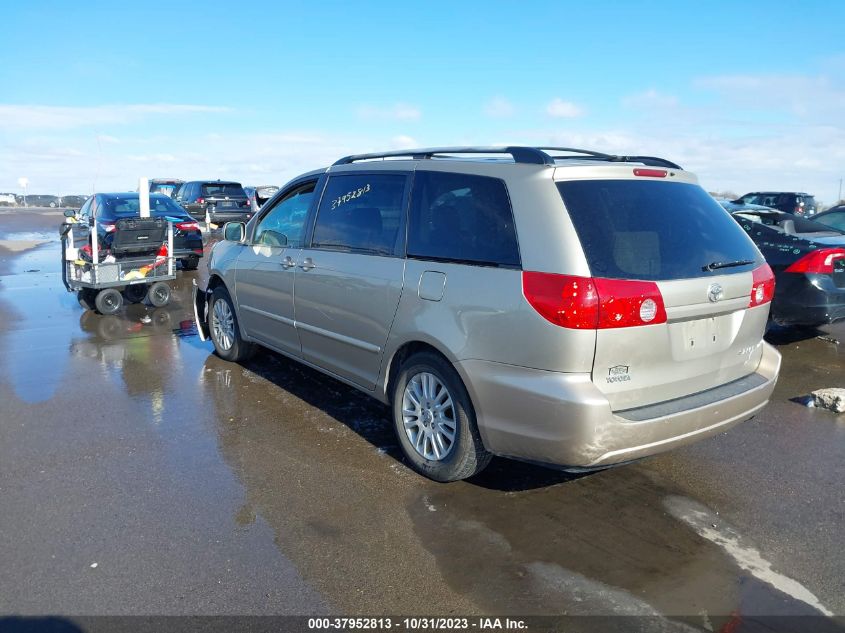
(715, 293)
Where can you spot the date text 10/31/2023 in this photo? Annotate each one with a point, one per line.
(417, 624)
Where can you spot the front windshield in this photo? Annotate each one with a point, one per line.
(166, 188)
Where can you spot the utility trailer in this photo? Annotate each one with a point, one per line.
(139, 265)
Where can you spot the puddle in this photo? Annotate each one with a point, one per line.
(30, 236)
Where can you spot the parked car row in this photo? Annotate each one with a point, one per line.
(795, 202)
(40, 200)
(103, 210)
(219, 201)
(185, 203)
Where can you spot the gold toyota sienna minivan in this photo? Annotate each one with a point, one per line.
(561, 306)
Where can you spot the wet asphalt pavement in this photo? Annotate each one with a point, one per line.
(141, 474)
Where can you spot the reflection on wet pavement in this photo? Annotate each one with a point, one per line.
(270, 488)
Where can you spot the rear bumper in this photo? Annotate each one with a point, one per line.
(221, 217)
(807, 299)
(184, 253)
(563, 419)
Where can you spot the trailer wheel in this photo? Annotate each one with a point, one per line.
(108, 301)
(159, 294)
(135, 293)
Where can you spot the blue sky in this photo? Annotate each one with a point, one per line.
(94, 94)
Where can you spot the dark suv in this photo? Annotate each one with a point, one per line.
(790, 201)
(216, 201)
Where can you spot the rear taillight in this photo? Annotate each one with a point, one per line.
(108, 227)
(588, 303)
(762, 286)
(820, 261)
(246, 203)
(200, 200)
(188, 226)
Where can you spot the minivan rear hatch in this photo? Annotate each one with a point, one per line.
(679, 244)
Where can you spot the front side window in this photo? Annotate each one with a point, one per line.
(94, 209)
(462, 218)
(361, 213)
(85, 211)
(284, 224)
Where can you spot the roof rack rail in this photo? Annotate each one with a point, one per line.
(520, 154)
(651, 161)
(529, 155)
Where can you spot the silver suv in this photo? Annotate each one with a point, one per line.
(553, 305)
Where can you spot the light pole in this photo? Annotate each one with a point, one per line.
(23, 181)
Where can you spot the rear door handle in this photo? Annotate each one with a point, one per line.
(288, 262)
(307, 264)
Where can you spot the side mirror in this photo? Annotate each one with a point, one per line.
(70, 213)
(234, 231)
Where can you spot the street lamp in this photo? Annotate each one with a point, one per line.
(23, 181)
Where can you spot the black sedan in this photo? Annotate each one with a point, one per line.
(107, 208)
(808, 259)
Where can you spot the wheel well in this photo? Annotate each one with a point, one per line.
(401, 355)
(214, 281)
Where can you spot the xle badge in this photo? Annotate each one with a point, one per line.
(618, 373)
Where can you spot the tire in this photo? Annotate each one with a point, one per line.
(190, 263)
(108, 301)
(135, 293)
(224, 328)
(418, 388)
(86, 298)
(159, 294)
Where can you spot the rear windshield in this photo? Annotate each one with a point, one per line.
(127, 207)
(650, 230)
(223, 189)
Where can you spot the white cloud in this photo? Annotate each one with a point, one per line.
(499, 108)
(73, 162)
(812, 98)
(778, 158)
(559, 108)
(16, 117)
(397, 112)
(650, 99)
(403, 142)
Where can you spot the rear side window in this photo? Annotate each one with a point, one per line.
(223, 189)
(835, 220)
(361, 213)
(462, 218)
(652, 230)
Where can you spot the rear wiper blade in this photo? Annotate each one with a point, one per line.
(717, 265)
